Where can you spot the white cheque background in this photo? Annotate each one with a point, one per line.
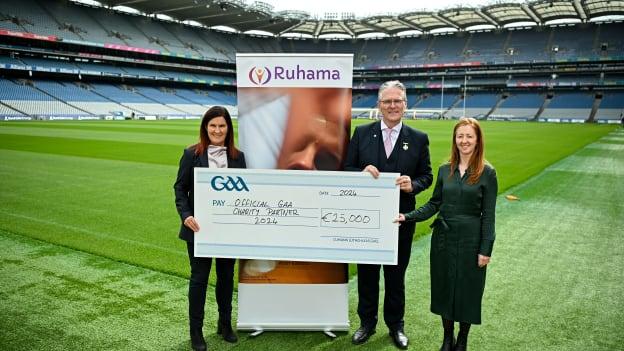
(318, 216)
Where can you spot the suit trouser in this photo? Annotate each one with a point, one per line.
(198, 284)
(394, 280)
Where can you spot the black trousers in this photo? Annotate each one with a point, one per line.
(394, 280)
(198, 284)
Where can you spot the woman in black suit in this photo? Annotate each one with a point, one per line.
(214, 149)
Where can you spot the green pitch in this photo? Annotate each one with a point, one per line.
(91, 258)
(105, 187)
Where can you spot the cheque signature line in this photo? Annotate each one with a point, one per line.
(270, 224)
(350, 237)
(261, 215)
(296, 208)
(337, 195)
(358, 186)
(350, 209)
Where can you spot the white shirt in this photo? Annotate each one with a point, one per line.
(394, 135)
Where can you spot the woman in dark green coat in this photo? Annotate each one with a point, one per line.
(463, 233)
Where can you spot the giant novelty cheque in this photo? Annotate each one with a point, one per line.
(322, 216)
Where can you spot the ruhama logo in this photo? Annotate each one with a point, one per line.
(228, 183)
(259, 75)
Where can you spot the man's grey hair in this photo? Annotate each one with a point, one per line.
(392, 84)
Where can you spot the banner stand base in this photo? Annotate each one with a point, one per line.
(329, 334)
(325, 328)
(258, 332)
(293, 307)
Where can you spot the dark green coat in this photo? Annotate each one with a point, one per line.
(463, 229)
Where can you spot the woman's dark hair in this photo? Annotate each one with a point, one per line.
(204, 139)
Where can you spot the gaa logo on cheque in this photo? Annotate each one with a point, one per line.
(228, 183)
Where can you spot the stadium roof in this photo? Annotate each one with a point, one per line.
(260, 16)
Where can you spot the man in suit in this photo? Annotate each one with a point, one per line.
(389, 146)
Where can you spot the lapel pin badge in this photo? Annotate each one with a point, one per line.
(405, 146)
(374, 135)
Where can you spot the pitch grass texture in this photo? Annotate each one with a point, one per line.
(554, 282)
(105, 187)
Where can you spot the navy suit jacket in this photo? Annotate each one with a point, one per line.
(183, 186)
(413, 157)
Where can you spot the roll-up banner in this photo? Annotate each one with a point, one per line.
(294, 113)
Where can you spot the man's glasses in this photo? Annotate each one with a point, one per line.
(392, 101)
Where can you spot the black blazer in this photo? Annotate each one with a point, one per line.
(364, 150)
(183, 186)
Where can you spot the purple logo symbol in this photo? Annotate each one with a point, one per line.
(259, 75)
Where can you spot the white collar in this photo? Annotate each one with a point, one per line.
(396, 128)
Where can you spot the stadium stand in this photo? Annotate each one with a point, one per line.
(36, 62)
(446, 48)
(28, 16)
(436, 100)
(105, 26)
(577, 41)
(519, 105)
(27, 98)
(122, 28)
(131, 98)
(485, 46)
(611, 106)
(86, 66)
(82, 98)
(77, 19)
(478, 105)
(5, 60)
(364, 100)
(198, 97)
(97, 105)
(526, 45)
(91, 61)
(6, 111)
(576, 105)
